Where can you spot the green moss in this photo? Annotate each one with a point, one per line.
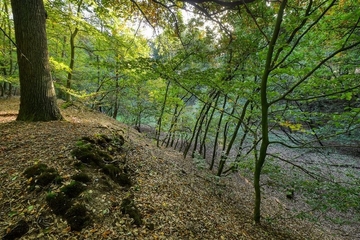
(102, 139)
(41, 176)
(116, 174)
(46, 178)
(58, 202)
(124, 180)
(87, 139)
(73, 189)
(128, 207)
(87, 153)
(105, 156)
(81, 177)
(77, 217)
(17, 231)
(65, 105)
(79, 165)
(120, 140)
(35, 170)
(111, 170)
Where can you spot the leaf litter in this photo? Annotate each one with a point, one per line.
(175, 199)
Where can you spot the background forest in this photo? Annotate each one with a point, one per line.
(267, 89)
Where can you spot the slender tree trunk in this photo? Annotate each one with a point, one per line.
(203, 142)
(117, 89)
(171, 130)
(7, 65)
(217, 135)
(264, 114)
(38, 99)
(158, 131)
(72, 53)
(188, 146)
(63, 51)
(202, 118)
(71, 65)
(225, 155)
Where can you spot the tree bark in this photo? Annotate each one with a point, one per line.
(38, 99)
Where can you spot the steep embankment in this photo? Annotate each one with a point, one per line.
(173, 198)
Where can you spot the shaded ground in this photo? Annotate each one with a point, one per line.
(175, 199)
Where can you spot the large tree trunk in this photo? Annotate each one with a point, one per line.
(38, 99)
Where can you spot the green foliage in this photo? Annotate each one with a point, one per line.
(199, 161)
(325, 196)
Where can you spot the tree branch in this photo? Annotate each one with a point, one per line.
(229, 4)
(312, 71)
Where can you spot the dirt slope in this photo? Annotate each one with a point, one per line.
(176, 201)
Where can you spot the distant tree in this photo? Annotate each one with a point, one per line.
(8, 70)
(38, 99)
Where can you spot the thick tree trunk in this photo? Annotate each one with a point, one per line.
(38, 99)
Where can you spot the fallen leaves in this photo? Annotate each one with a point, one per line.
(175, 199)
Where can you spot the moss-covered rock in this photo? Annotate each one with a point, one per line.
(73, 189)
(77, 217)
(128, 207)
(58, 202)
(123, 179)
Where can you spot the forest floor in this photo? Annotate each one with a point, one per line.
(175, 199)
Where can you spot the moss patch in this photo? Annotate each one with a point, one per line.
(82, 177)
(128, 207)
(35, 170)
(40, 175)
(97, 151)
(17, 231)
(58, 202)
(73, 189)
(87, 153)
(47, 178)
(117, 175)
(77, 217)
